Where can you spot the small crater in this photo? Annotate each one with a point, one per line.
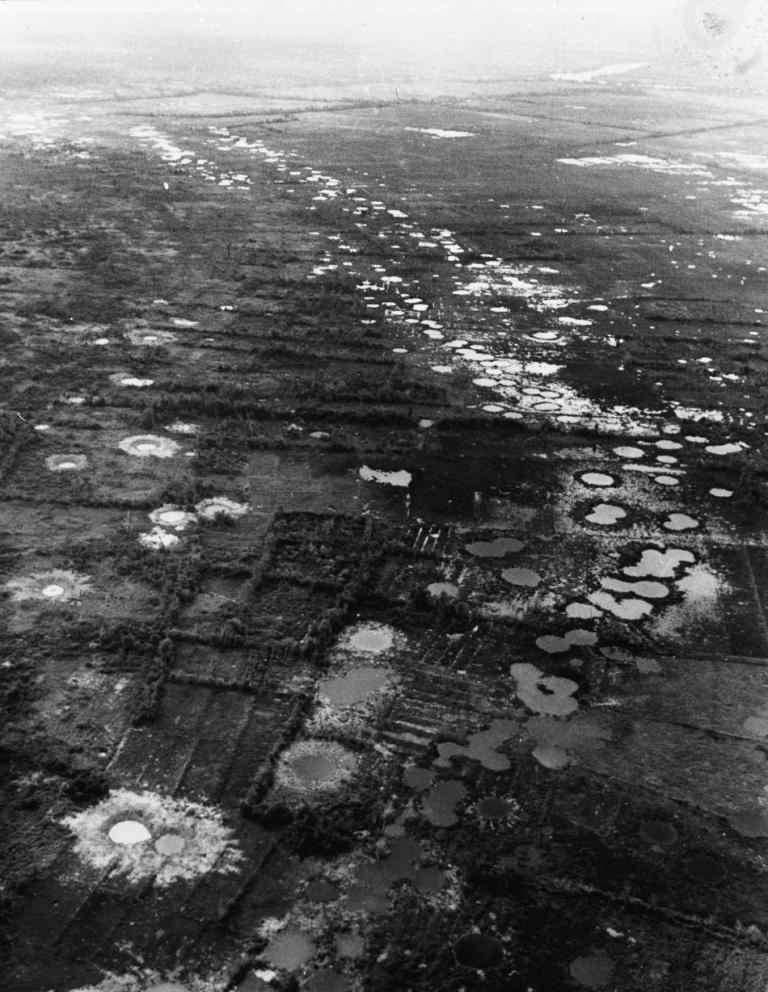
(356, 686)
(209, 509)
(170, 844)
(495, 808)
(401, 478)
(704, 869)
(58, 586)
(350, 945)
(289, 949)
(680, 521)
(66, 463)
(171, 517)
(615, 653)
(479, 951)
(551, 756)
(328, 980)
(552, 644)
(313, 766)
(500, 547)
(521, 577)
(598, 480)
(369, 638)
(150, 338)
(723, 449)
(606, 515)
(129, 832)
(658, 832)
(123, 379)
(149, 445)
(593, 971)
(157, 539)
(180, 427)
(443, 590)
(439, 804)
(320, 890)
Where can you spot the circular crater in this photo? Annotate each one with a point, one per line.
(479, 951)
(598, 480)
(359, 685)
(170, 844)
(149, 445)
(157, 539)
(129, 832)
(328, 980)
(594, 971)
(209, 509)
(290, 949)
(443, 590)
(315, 766)
(57, 585)
(320, 890)
(704, 869)
(369, 638)
(525, 577)
(658, 832)
(494, 808)
(66, 463)
(680, 521)
(172, 517)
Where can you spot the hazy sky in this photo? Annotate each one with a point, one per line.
(386, 22)
(206, 38)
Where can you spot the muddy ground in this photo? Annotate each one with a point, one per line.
(384, 546)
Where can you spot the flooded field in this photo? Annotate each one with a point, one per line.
(384, 545)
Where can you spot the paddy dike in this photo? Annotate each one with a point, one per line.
(384, 547)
